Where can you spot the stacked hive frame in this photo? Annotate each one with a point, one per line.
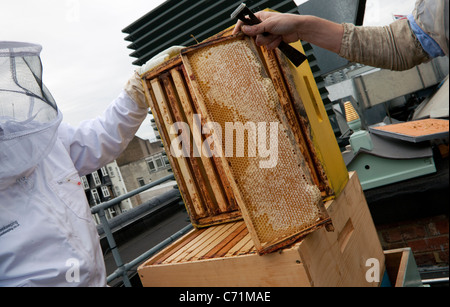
(230, 79)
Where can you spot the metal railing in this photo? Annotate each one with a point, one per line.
(123, 268)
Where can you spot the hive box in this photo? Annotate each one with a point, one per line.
(225, 255)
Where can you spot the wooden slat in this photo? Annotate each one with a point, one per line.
(164, 67)
(194, 246)
(217, 161)
(209, 245)
(236, 250)
(219, 241)
(226, 217)
(195, 166)
(174, 248)
(184, 167)
(214, 203)
(205, 233)
(210, 173)
(165, 139)
(225, 245)
(247, 248)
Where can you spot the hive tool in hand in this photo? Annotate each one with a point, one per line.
(244, 14)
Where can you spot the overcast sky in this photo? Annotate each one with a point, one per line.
(85, 57)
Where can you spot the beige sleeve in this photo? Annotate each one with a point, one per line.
(393, 47)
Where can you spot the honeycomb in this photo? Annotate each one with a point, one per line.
(281, 200)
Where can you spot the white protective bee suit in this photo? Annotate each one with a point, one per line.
(47, 234)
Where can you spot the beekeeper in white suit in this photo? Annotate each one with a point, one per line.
(47, 234)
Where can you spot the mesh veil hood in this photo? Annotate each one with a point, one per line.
(23, 95)
(29, 117)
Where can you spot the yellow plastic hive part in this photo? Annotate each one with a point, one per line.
(327, 148)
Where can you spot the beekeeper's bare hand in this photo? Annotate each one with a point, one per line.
(281, 27)
(291, 28)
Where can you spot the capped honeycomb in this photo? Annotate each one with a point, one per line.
(276, 192)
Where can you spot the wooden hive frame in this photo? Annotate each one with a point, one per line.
(268, 233)
(208, 190)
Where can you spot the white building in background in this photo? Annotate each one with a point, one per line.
(104, 185)
(118, 185)
(141, 163)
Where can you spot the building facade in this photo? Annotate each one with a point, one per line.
(118, 185)
(142, 163)
(99, 188)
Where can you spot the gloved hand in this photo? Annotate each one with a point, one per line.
(134, 86)
(135, 89)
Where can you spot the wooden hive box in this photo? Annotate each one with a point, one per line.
(230, 80)
(225, 255)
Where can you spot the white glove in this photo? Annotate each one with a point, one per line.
(135, 89)
(160, 58)
(134, 86)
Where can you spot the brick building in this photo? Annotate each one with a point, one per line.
(427, 237)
